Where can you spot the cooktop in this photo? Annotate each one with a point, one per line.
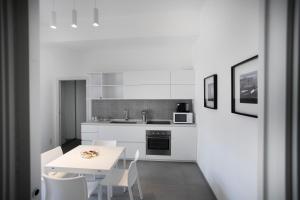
(159, 122)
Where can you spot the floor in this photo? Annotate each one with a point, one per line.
(168, 181)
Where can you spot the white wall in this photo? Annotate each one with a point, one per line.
(56, 63)
(227, 143)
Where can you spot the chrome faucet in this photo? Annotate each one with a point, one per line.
(144, 116)
(126, 114)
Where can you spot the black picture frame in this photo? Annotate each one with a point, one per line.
(246, 101)
(214, 89)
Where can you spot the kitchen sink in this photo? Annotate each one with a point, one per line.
(122, 122)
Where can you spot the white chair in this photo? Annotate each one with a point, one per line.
(123, 178)
(75, 188)
(47, 157)
(106, 143)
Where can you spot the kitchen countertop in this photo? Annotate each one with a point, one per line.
(139, 123)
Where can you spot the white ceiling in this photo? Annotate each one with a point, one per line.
(121, 20)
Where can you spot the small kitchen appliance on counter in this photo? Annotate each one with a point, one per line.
(183, 118)
(183, 107)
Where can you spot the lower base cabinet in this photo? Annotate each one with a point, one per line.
(183, 140)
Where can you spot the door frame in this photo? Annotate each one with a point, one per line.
(57, 135)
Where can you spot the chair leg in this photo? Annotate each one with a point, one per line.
(111, 191)
(130, 193)
(100, 193)
(140, 189)
(108, 193)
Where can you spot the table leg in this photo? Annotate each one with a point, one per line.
(124, 164)
(124, 159)
(100, 192)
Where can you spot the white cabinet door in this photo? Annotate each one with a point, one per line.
(184, 143)
(89, 128)
(182, 91)
(86, 142)
(122, 133)
(146, 77)
(89, 135)
(147, 92)
(183, 77)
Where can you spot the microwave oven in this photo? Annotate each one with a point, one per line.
(182, 118)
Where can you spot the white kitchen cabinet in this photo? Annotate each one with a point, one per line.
(105, 86)
(122, 133)
(146, 78)
(133, 137)
(182, 91)
(89, 128)
(184, 143)
(86, 142)
(183, 77)
(147, 92)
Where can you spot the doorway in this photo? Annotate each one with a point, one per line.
(72, 112)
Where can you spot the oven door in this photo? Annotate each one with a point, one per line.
(158, 145)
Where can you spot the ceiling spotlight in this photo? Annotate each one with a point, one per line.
(74, 16)
(74, 19)
(53, 16)
(53, 20)
(96, 17)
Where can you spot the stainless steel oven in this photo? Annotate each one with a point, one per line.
(158, 142)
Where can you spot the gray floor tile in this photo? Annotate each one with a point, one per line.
(168, 181)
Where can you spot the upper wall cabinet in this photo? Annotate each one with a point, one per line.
(182, 84)
(147, 92)
(105, 86)
(142, 85)
(147, 78)
(182, 91)
(183, 77)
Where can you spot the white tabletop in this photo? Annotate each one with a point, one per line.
(72, 162)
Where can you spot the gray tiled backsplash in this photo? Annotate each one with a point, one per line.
(156, 109)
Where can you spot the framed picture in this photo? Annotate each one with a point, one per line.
(244, 88)
(211, 92)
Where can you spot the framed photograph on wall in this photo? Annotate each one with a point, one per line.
(244, 87)
(211, 92)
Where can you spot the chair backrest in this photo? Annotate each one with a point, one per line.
(48, 156)
(132, 170)
(74, 188)
(107, 143)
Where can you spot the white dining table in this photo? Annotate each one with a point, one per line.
(73, 162)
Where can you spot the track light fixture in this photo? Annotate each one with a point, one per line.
(74, 23)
